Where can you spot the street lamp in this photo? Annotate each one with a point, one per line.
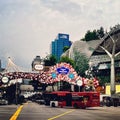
(16, 92)
(79, 83)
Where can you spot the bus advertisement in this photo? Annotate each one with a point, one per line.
(74, 99)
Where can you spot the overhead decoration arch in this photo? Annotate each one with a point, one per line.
(56, 73)
(62, 72)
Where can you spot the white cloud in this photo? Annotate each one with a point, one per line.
(27, 27)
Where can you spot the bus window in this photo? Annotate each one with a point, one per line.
(61, 98)
(87, 97)
(95, 96)
(77, 98)
(54, 97)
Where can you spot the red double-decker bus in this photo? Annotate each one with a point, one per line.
(74, 99)
(85, 99)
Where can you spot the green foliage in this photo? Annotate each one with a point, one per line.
(50, 60)
(91, 35)
(94, 35)
(67, 60)
(101, 32)
(103, 79)
(65, 48)
(81, 63)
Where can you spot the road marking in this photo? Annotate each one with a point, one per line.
(61, 115)
(15, 115)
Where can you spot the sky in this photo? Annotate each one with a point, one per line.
(27, 27)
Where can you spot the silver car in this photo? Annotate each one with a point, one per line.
(3, 101)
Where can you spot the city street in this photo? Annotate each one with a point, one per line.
(59, 60)
(34, 111)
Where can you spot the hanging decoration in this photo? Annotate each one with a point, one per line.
(62, 72)
(90, 82)
(56, 73)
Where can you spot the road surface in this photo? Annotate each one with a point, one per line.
(34, 111)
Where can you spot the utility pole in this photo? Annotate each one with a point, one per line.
(16, 92)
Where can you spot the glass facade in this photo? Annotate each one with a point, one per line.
(59, 43)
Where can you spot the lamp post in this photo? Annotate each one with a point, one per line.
(79, 83)
(16, 92)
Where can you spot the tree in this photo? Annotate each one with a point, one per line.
(50, 60)
(81, 63)
(93, 35)
(65, 48)
(67, 60)
(88, 36)
(101, 32)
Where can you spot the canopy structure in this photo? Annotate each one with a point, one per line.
(107, 42)
(93, 50)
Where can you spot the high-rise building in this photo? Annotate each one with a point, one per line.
(59, 43)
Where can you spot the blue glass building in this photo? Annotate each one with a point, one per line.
(59, 43)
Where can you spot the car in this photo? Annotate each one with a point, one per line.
(3, 101)
(40, 101)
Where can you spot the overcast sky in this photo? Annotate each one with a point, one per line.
(27, 27)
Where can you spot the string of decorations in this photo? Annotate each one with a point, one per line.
(56, 73)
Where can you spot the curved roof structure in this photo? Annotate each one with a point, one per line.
(107, 41)
(91, 48)
(86, 48)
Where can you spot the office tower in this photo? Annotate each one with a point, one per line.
(59, 43)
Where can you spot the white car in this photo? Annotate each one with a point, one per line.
(3, 101)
